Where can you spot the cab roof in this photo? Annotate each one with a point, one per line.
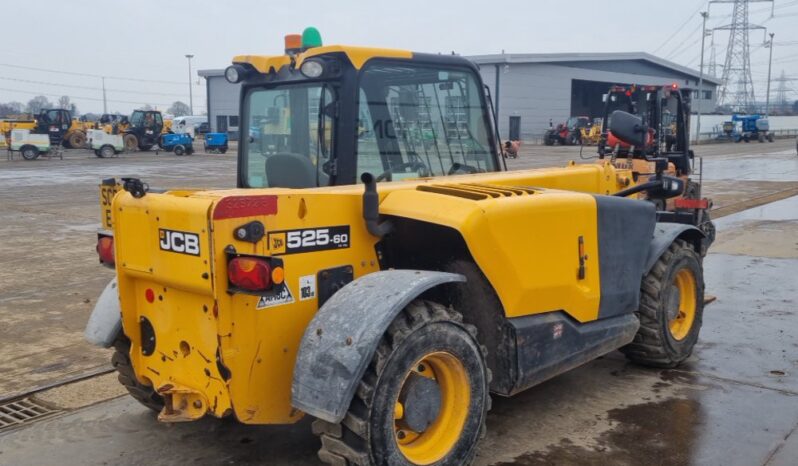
(358, 56)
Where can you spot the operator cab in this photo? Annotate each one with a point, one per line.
(664, 119)
(325, 115)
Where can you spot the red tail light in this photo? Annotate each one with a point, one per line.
(105, 249)
(249, 273)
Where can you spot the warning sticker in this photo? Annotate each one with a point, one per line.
(279, 298)
(307, 287)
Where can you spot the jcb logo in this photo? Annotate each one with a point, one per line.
(179, 241)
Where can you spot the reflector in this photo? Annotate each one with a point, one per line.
(105, 249)
(249, 273)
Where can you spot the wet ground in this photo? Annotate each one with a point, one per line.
(734, 402)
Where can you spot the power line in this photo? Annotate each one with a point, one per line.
(87, 98)
(72, 73)
(93, 88)
(679, 29)
(678, 50)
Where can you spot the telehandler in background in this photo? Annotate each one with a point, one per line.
(379, 269)
(57, 123)
(663, 137)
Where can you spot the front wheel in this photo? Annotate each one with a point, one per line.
(131, 142)
(671, 309)
(423, 399)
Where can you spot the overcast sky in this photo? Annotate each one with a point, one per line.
(147, 39)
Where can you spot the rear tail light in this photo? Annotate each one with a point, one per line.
(249, 273)
(105, 249)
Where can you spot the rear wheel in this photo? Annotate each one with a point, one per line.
(145, 147)
(29, 152)
(76, 140)
(771, 138)
(671, 309)
(144, 394)
(423, 400)
(131, 142)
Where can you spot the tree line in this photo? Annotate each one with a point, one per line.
(36, 104)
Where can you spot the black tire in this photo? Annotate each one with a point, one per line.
(145, 147)
(761, 137)
(29, 152)
(76, 140)
(131, 142)
(771, 138)
(107, 151)
(655, 343)
(367, 434)
(548, 140)
(572, 140)
(223, 150)
(179, 149)
(98, 153)
(144, 394)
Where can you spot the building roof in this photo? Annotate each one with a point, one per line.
(510, 58)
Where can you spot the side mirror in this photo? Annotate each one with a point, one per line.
(671, 187)
(628, 128)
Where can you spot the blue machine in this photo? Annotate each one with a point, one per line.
(216, 142)
(752, 127)
(179, 143)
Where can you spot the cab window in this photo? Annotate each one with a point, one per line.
(419, 121)
(290, 136)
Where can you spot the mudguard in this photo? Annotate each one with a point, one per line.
(105, 321)
(340, 341)
(667, 233)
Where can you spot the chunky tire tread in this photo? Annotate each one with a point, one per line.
(649, 346)
(346, 443)
(144, 394)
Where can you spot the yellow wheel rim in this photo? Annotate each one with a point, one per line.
(440, 437)
(681, 323)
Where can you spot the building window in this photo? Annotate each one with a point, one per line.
(707, 95)
(233, 121)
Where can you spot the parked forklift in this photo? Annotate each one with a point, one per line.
(661, 145)
(379, 269)
(568, 133)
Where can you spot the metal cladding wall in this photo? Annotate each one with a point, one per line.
(539, 92)
(222, 101)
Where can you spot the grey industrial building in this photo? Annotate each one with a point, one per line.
(529, 90)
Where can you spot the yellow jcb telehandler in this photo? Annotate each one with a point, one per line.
(379, 269)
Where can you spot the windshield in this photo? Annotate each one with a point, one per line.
(290, 136)
(417, 121)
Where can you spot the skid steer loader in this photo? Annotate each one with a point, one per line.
(378, 269)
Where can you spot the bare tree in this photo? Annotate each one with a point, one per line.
(36, 104)
(179, 108)
(10, 109)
